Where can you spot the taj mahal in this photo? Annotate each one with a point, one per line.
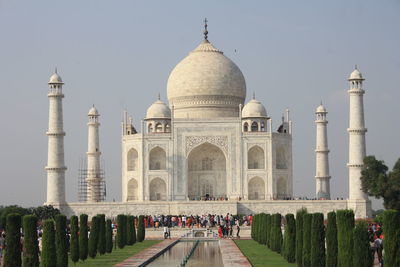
(206, 149)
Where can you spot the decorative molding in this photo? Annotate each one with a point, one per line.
(220, 141)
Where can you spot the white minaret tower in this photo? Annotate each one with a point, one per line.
(356, 132)
(322, 176)
(55, 158)
(93, 158)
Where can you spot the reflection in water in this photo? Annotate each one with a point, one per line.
(207, 253)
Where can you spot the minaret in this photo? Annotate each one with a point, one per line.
(93, 177)
(356, 132)
(55, 158)
(322, 176)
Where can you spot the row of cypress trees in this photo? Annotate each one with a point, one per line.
(55, 245)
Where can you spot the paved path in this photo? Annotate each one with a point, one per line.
(231, 254)
(143, 256)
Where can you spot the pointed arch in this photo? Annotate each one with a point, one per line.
(254, 126)
(255, 158)
(281, 187)
(281, 158)
(159, 127)
(132, 190)
(245, 127)
(256, 188)
(157, 159)
(132, 160)
(158, 190)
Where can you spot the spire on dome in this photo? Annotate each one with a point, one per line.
(159, 97)
(205, 29)
(254, 95)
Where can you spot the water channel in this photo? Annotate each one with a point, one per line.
(206, 253)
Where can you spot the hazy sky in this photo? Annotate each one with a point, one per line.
(118, 54)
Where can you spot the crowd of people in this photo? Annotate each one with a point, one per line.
(376, 241)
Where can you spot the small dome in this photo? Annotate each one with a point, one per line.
(356, 75)
(93, 112)
(254, 108)
(55, 78)
(158, 110)
(321, 109)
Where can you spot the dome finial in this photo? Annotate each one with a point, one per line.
(205, 29)
(356, 67)
(55, 71)
(254, 95)
(158, 97)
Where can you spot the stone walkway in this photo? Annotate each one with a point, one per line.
(231, 254)
(142, 257)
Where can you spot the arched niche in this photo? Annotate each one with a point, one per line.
(255, 158)
(158, 190)
(256, 188)
(157, 159)
(281, 187)
(206, 172)
(132, 190)
(281, 158)
(245, 127)
(132, 160)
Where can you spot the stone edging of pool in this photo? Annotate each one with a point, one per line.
(231, 254)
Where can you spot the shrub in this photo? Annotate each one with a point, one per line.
(299, 236)
(101, 242)
(290, 238)
(391, 230)
(253, 228)
(83, 237)
(31, 246)
(307, 219)
(74, 247)
(331, 241)
(129, 230)
(94, 237)
(121, 224)
(61, 241)
(134, 231)
(109, 236)
(48, 257)
(268, 229)
(345, 225)
(317, 241)
(362, 254)
(12, 257)
(276, 233)
(141, 234)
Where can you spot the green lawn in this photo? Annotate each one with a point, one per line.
(260, 255)
(117, 256)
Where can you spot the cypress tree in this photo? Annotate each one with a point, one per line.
(331, 241)
(129, 230)
(290, 237)
(391, 230)
(31, 246)
(317, 240)
(74, 247)
(61, 241)
(272, 232)
(362, 255)
(134, 231)
(12, 257)
(307, 219)
(101, 243)
(83, 237)
(268, 229)
(253, 228)
(276, 233)
(345, 225)
(121, 224)
(141, 233)
(109, 234)
(299, 236)
(48, 257)
(94, 237)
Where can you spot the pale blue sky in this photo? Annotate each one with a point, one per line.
(118, 54)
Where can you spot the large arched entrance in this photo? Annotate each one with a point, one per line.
(206, 173)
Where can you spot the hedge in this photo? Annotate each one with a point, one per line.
(83, 237)
(345, 226)
(362, 254)
(31, 246)
(391, 230)
(141, 232)
(74, 246)
(317, 241)
(307, 220)
(12, 257)
(299, 236)
(61, 241)
(121, 235)
(129, 230)
(290, 238)
(268, 229)
(48, 257)
(276, 233)
(331, 241)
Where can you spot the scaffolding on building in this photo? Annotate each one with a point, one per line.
(83, 184)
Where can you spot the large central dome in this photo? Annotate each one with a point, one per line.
(206, 84)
